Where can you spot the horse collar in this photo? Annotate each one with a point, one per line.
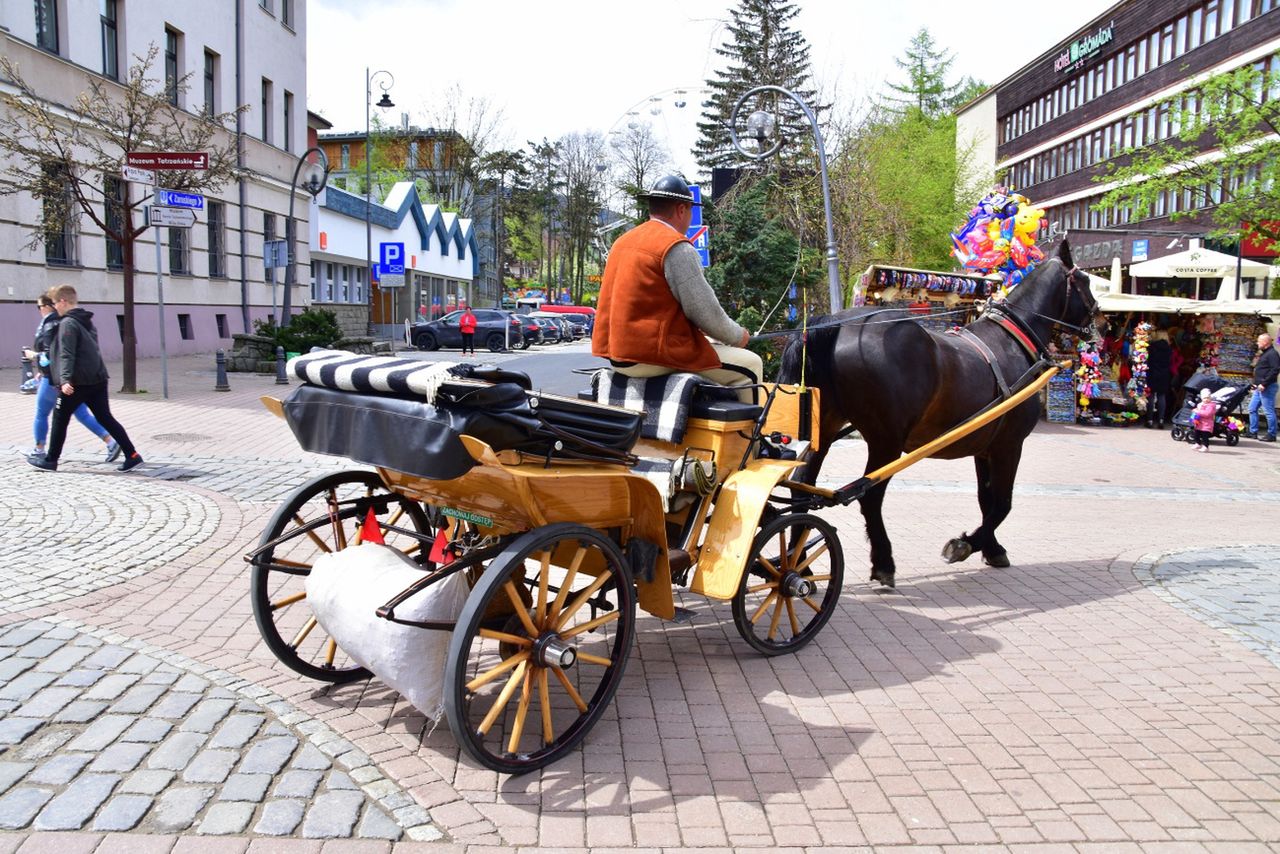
(1007, 322)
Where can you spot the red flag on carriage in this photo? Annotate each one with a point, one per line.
(371, 531)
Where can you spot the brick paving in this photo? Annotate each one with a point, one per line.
(1116, 689)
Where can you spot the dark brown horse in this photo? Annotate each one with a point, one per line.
(901, 386)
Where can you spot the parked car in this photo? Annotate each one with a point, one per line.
(491, 331)
(532, 331)
(551, 331)
(581, 325)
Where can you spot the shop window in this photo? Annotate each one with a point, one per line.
(224, 328)
(184, 327)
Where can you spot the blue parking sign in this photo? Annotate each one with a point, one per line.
(391, 258)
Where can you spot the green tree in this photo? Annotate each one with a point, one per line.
(67, 156)
(762, 49)
(927, 90)
(1238, 180)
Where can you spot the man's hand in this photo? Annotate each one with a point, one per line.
(30, 354)
(67, 389)
(746, 336)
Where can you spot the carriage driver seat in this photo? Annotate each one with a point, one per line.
(668, 401)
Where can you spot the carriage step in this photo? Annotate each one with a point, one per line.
(680, 561)
(683, 615)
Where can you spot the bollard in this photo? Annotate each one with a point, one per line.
(221, 384)
(28, 385)
(281, 379)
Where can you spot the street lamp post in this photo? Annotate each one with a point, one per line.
(761, 124)
(383, 104)
(315, 179)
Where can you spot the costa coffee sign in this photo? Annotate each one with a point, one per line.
(1074, 54)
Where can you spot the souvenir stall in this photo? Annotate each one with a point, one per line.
(942, 299)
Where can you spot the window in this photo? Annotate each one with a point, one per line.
(1228, 16)
(110, 54)
(411, 162)
(269, 234)
(113, 205)
(224, 329)
(60, 221)
(1211, 20)
(210, 83)
(1196, 28)
(47, 25)
(179, 252)
(286, 13)
(265, 108)
(345, 290)
(290, 235)
(346, 157)
(1180, 37)
(288, 120)
(359, 292)
(184, 327)
(171, 65)
(217, 240)
(267, 5)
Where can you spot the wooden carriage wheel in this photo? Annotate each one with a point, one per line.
(791, 584)
(340, 502)
(540, 648)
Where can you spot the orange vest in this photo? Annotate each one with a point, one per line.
(638, 318)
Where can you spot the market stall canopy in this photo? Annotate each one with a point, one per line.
(1268, 307)
(1198, 263)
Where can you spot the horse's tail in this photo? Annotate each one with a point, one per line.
(806, 349)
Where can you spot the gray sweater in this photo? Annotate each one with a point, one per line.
(683, 270)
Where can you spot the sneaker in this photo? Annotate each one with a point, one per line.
(35, 452)
(1269, 437)
(131, 463)
(41, 462)
(113, 451)
(1251, 434)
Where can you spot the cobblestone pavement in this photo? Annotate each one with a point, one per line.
(1117, 689)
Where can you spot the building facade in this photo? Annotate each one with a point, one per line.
(440, 259)
(230, 53)
(1048, 130)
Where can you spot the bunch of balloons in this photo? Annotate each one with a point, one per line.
(1000, 237)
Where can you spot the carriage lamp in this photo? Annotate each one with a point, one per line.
(761, 125)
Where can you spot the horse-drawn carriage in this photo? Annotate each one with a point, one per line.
(562, 515)
(567, 519)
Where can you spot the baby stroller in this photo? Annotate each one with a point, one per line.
(1229, 397)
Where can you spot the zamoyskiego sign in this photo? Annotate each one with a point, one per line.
(1081, 49)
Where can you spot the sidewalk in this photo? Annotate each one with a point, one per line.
(1116, 689)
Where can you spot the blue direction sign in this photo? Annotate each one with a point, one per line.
(701, 240)
(391, 258)
(176, 199)
(697, 204)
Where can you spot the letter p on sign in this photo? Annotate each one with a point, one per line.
(391, 257)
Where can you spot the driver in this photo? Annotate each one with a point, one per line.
(656, 309)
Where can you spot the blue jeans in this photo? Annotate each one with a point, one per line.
(46, 397)
(1267, 400)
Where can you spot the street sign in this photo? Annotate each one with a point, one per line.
(391, 258)
(391, 280)
(172, 217)
(138, 176)
(701, 240)
(275, 253)
(176, 199)
(168, 159)
(697, 205)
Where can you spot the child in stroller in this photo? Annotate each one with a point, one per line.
(1229, 396)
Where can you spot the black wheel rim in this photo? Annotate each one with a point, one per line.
(525, 691)
(791, 585)
(280, 607)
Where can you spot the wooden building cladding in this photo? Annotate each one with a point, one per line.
(1139, 59)
(413, 150)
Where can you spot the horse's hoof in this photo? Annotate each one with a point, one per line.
(956, 550)
(883, 577)
(1001, 560)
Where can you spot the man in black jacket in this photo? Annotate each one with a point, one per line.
(1265, 372)
(76, 367)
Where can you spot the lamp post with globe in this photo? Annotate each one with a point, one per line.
(384, 103)
(314, 175)
(760, 126)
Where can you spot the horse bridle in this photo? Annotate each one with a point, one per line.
(1086, 298)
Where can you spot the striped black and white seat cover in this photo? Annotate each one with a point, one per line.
(344, 371)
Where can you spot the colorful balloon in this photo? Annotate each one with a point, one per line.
(1000, 236)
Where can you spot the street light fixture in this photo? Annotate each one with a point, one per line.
(315, 175)
(384, 103)
(761, 126)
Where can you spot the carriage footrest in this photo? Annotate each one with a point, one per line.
(683, 615)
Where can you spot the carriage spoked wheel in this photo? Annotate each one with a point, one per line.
(791, 584)
(540, 648)
(340, 503)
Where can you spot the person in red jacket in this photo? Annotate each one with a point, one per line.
(467, 326)
(656, 309)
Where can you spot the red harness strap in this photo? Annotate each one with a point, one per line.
(1018, 335)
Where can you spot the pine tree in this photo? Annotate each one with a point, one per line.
(762, 50)
(926, 89)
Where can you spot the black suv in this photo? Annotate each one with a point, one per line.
(494, 329)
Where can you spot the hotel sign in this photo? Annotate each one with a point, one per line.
(1074, 54)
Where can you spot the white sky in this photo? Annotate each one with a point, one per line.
(558, 66)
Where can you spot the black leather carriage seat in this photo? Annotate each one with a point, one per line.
(712, 403)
